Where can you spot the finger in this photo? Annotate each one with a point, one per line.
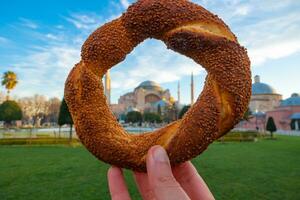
(117, 186)
(191, 181)
(142, 182)
(160, 176)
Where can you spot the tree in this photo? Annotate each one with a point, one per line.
(34, 108)
(134, 117)
(9, 80)
(271, 126)
(2, 97)
(183, 111)
(159, 110)
(65, 117)
(37, 108)
(170, 113)
(122, 117)
(52, 107)
(152, 117)
(247, 115)
(10, 111)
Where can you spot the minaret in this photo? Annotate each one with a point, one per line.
(192, 89)
(107, 87)
(178, 93)
(257, 79)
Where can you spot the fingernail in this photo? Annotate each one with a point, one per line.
(160, 155)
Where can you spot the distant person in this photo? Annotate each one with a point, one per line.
(161, 182)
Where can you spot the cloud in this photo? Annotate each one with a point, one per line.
(3, 39)
(242, 10)
(52, 37)
(28, 23)
(271, 5)
(272, 38)
(88, 21)
(228, 10)
(268, 29)
(59, 26)
(45, 70)
(124, 3)
(158, 64)
(232, 11)
(276, 50)
(44, 67)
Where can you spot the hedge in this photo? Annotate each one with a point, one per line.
(37, 141)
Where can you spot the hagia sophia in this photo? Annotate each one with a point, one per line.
(148, 96)
(265, 102)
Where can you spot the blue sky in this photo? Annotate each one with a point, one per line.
(41, 41)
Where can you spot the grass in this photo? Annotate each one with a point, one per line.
(267, 169)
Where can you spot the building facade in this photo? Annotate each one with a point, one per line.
(264, 97)
(146, 97)
(287, 113)
(266, 102)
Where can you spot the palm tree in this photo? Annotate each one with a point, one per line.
(9, 80)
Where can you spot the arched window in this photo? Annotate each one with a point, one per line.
(151, 98)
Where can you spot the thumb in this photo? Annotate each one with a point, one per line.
(161, 179)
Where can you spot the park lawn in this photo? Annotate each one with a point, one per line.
(267, 169)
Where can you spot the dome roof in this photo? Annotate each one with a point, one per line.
(149, 85)
(261, 88)
(295, 116)
(294, 100)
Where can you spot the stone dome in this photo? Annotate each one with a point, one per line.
(294, 100)
(261, 88)
(149, 85)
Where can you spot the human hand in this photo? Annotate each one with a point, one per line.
(161, 182)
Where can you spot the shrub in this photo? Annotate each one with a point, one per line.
(36, 141)
(152, 117)
(64, 114)
(271, 126)
(65, 117)
(10, 111)
(134, 117)
(183, 111)
(247, 136)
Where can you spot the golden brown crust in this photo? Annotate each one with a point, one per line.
(185, 28)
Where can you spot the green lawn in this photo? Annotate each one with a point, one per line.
(267, 169)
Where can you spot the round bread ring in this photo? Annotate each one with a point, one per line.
(186, 28)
